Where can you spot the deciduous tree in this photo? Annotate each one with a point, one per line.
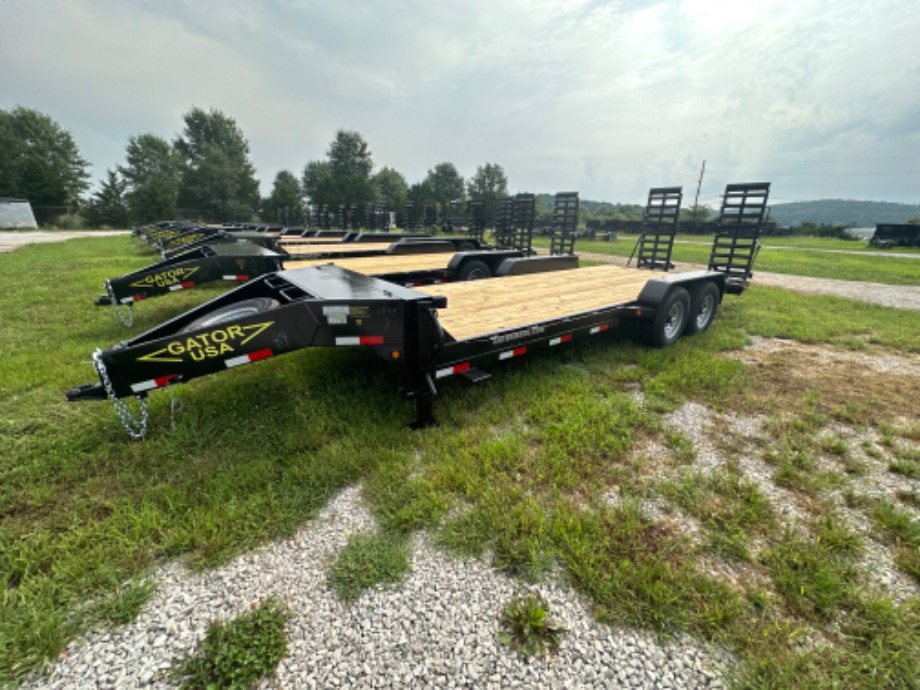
(286, 198)
(490, 184)
(391, 187)
(109, 206)
(345, 176)
(444, 184)
(152, 174)
(218, 179)
(39, 160)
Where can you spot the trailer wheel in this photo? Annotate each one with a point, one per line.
(240, 310)
(704, 301)
(474, 270)
(671, 320)
(466, 247)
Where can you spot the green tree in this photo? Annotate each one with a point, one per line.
(286, 194)
(109, 206)
(914, 221)
(391, 187)
(345, 176)
(695, 214)
(490, 184)
(444, 184)
(39, 160)
(217, 177)
(152, 174)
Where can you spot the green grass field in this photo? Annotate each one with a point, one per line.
(521, 468)
(803, 256)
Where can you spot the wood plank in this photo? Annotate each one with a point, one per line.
(486, 306)
(376, 265)
(338, 248)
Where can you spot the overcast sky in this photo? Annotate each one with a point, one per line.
(607, 98)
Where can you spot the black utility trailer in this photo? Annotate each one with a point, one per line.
(414, 263)
(430, 333)
(889, 235)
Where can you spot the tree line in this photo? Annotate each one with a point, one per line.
(206, 174)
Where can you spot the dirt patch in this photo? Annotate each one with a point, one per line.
(877, 386)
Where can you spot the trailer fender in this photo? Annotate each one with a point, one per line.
(536, 264)
(403, 247)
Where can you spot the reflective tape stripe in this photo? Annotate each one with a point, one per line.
(599, 329)
(360, 340)
(456, 369)
(239, 278)
(181, 286)
(158, 382)
(561, 339)
(516, 352)
(246, 359)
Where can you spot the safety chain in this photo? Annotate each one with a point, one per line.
(127, 317)
(136, 428)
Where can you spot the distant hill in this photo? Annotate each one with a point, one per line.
(857, 214)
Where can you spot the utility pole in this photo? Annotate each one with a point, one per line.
(696, 200)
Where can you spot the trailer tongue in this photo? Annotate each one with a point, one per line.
(429, 333)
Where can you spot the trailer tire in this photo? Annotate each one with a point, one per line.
(248, 307)
(466, 247)
(704, 302)
(474, 270)
(671, 319)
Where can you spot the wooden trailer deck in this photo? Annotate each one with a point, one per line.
(336, 247)
(314, 240)
(482, 307)
(378, 265)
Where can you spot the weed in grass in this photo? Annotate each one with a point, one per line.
(902, 531)
(237, 653)
(815, 578)
(528, 627)
(834, 445)
(731, 508)
(369, 560)
(910, 498)
(906, 462)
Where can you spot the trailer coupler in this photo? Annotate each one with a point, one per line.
(89, 391)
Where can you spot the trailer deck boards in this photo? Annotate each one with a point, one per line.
(337, 247)
(396, 263)
(481, 307)
(317, 240)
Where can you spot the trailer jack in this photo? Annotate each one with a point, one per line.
(424, 397)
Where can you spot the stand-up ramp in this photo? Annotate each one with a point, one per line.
(738, 230)
(659, 227)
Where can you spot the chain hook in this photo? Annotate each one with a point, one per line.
(135, 426)
(127, 317)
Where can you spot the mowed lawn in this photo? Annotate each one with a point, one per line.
(574, 462)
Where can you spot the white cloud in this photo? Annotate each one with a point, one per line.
(606, 97)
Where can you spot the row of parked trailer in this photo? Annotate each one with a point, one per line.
(418, 303)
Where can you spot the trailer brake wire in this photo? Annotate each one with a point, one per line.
(136, 427)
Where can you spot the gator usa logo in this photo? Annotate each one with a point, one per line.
(208, 345)
(174, 276)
